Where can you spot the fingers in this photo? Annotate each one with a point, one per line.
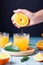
(20, 11)
(27, 13)
(15, 24)
(16, 11)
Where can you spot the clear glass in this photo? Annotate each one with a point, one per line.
(4, 39)
(21, 40)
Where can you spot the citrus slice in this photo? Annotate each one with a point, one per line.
(39, 45)
(9, 44)
(38, 57)
(4, 58)
(20, 19)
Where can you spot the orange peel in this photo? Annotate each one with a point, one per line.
(41, 34)
(4, 58)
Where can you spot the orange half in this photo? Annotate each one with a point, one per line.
(38, 57)
(39, 45)
(4, 58)
(41, 34)
(20, 19)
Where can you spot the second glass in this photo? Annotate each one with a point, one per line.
(21, 41)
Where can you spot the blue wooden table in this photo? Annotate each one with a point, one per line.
(16, 60)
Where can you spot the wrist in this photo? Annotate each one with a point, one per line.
(38, 16)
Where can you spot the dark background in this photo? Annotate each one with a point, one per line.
(6, 11)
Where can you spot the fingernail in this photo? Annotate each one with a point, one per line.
(14, 11)
(18, 26)
(13, 22)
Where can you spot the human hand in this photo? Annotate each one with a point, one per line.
(26, 12)
(34, 17)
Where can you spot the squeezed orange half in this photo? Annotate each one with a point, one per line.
(20, 19)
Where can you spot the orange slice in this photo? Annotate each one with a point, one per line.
(20, 19)
(38, 57)
(39, 45)
(4, 58)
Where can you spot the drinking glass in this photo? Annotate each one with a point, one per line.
(21, 40)
(4, 39)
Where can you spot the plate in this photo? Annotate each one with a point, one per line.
(29, 51)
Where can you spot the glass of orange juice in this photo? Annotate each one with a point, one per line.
(4, 39)
(21, 41)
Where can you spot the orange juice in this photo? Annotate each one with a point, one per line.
(21, 42)
(3, 40)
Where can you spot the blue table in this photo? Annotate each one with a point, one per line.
(30, 61)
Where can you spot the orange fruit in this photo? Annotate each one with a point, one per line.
(39, 45)
(4, 58)
(38, 57)
(41, 34)
(20, 19)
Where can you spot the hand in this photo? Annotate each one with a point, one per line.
(27, 13)
(35, 18)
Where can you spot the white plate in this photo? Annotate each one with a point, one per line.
(21, 53)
